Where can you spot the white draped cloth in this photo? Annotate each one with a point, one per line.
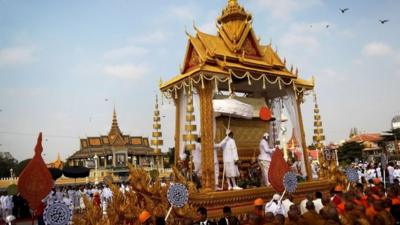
(197, 158)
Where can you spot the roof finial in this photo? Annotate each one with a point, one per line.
(232, 2)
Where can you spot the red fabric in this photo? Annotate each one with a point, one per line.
(35, 181)
(395, 201)
(340, 208)
(40, 210)
(277, 170)
(265, 113)
(336, 200)
(96, 200)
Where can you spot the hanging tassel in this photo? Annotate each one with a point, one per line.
(202, 81)
(184, 88)
(264, 86)
(248, 78)
(229, 85)
(279, 83)
(191, 85)
(216, 84)
(176, 93)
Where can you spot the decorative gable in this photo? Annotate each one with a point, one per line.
(192, 59)
(249, 47)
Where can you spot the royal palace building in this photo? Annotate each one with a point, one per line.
(113, 152)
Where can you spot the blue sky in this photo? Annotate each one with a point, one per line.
(60, 60)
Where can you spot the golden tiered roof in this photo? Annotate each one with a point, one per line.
(235, 49)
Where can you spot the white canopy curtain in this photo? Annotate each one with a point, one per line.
(290, 103)
(182, 121)
(276, 108)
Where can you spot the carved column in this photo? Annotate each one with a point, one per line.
(303, 138)
(177, 130)
(207, 140)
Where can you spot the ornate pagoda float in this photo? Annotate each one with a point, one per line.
(233, 65)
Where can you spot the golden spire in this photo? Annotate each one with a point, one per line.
(233, 12)
(157, 134)
(114, 126)
(319, 136)
(232, 2)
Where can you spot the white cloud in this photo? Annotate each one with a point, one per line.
(129, 71)
(16, 55)
(155, 37)
(124, 52)
(282, 9)
(305, 35)
(377, 49)
(183, 12)
(331, 75)
(208, 27)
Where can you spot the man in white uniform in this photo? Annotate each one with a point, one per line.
(275, 205)
(231, 158)
(264, 158)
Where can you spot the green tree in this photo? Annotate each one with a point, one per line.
(7, 162)
(349, 151)
(20, 166)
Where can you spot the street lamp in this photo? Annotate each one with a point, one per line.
(95, 157)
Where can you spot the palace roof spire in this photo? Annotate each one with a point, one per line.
(114, 126)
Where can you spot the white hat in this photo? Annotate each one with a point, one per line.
(228, 131)
(276, 197)
(266, 135)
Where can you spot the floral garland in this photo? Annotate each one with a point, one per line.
(188, 82)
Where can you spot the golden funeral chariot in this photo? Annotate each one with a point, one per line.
(234, 66)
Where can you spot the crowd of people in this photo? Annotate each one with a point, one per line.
(354, 205)
(100, 195)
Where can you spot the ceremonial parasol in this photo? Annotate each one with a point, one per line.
(55, 173)
(76, 171)
(233, 108)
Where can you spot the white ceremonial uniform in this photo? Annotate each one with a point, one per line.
(318, 204)
(230, 156)
(390, 170)
(371, 174)
(286, 205)
(275, 208)
(303, 208)
(264, 159)
(197, 159)
(2, 207)
(396, 173)
(379, 172)
(106, 195)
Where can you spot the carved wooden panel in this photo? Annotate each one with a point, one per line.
(94, 141)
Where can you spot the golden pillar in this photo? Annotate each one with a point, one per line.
(190, 137)
(207, 140)
(157, 134)
(303, 138)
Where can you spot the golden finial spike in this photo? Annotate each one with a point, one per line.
(232, 2)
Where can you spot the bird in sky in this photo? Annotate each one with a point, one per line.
(344, 10)
(383, 21)
(327, 26)
(106, 99)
